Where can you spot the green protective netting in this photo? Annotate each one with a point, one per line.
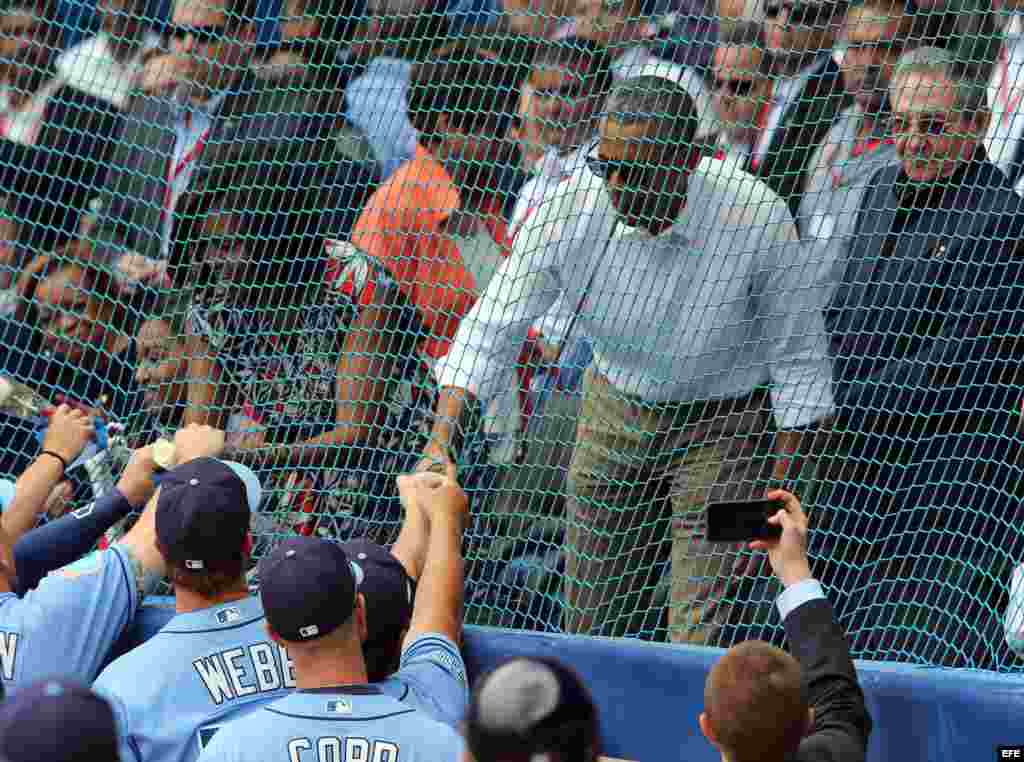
(707, 274)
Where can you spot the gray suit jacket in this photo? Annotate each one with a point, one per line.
(253, 118)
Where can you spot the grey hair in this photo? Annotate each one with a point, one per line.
(971, 94)
(657, 101)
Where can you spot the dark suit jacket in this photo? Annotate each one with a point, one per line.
(253, 118)
(926, 336)
(803, 127)
(48, 184)
(842, 723)
(929, 326)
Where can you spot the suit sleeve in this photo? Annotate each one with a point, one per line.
(842, 723)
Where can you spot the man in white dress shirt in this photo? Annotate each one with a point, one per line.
(692, 290)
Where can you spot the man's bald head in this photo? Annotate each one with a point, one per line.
(754, 704)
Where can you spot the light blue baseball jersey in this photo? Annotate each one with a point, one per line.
(203, 668)
(67, 625)
(431, 677)
(366, 723)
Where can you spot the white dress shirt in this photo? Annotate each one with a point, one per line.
(711, 308)
(377, 103)
(551, 169)
(795, 596)
(628, 63)
(23, 124)
(191, 129)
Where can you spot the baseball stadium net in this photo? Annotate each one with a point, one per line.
(284, 235)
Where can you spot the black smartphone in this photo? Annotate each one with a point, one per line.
(742, 520)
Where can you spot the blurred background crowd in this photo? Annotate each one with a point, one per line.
(274, 221)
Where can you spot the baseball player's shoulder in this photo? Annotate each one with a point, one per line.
(249, 738)
(437, 741)
(121, 678)
(436, 650)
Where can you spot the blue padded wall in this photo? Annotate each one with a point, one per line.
(650, 695)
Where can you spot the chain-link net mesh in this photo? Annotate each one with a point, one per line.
(616, 260)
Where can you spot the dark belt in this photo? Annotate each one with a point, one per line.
(698, 410)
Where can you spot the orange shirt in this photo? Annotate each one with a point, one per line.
(401, 227)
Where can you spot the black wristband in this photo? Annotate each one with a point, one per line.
(52, 454)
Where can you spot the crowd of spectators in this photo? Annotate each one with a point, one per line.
(603, 262)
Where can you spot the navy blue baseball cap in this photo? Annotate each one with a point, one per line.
(529, 707)
(387, 587)
(308, 588)
(203, 512)
(60, 721)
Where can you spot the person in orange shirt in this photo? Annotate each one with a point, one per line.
(438, 224)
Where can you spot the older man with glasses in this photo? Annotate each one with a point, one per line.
(688, 287)
(923, 331)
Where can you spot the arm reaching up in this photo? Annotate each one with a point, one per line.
(67, 435)
(70, 537)
(439, 596)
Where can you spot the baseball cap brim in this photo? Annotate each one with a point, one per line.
(253, 490)
(6, 493)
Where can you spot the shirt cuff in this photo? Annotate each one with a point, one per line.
(1014, 621)
(795, 596)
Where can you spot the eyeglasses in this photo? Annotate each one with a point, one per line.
(866, 46)
(739, 88)
(931, 125)
(799, 14)
(206, 33)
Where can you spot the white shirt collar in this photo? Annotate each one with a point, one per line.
(555, 163)
(206, 108)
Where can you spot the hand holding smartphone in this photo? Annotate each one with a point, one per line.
(743, 520)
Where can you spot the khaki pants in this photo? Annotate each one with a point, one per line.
(639, 472)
